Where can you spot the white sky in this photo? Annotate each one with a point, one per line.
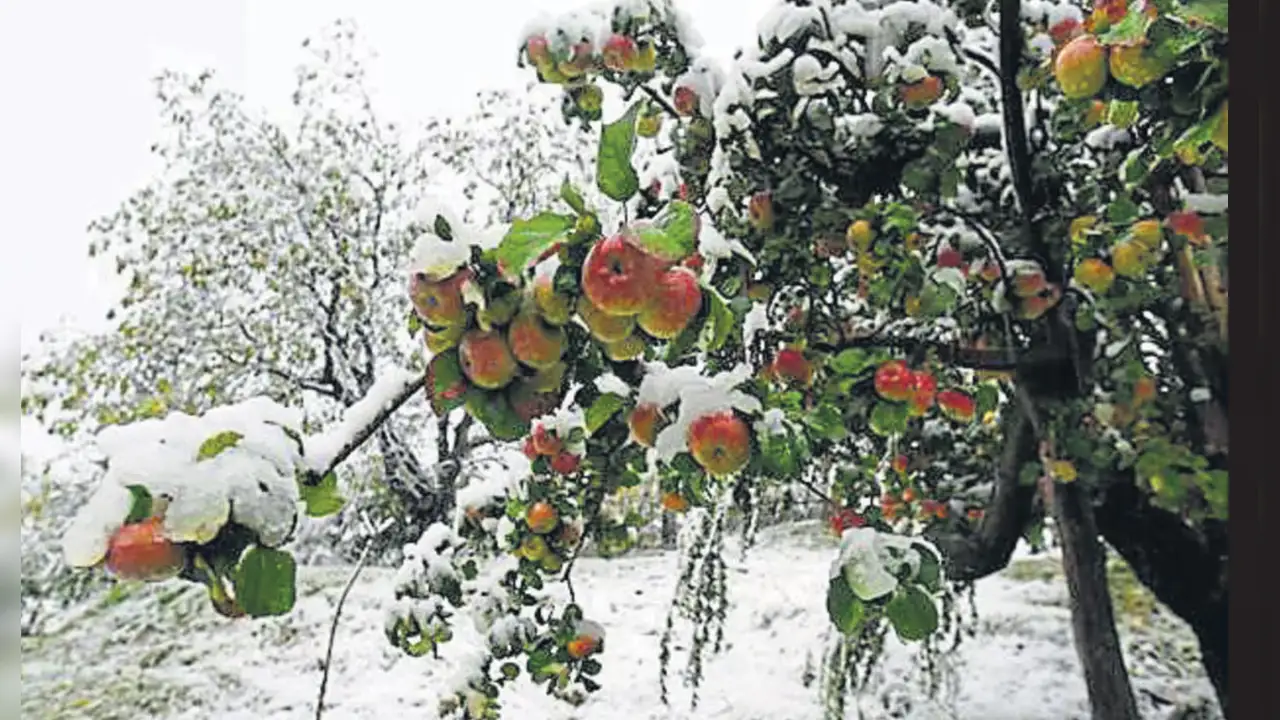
(79, 115)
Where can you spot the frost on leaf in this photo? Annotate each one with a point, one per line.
(251, 481)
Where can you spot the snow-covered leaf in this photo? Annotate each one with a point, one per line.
(673, 233)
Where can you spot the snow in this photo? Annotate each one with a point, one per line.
(1206, 203)
(439, 258)
(256, 476)
(699, 395)
(322, 449)
(194, 664)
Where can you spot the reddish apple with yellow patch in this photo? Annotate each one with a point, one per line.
(544, 441)
(486, 359)
(957, 405)
(900, 464)
(643, 423)
(845, 519)
(894, 381)
(685, 100)
(720, 442)
(791, 366)
(924, 389)
(760, 210)
(542, 517)
(534, 342)
(619, 52)
(618, 277)
(1081, 67)
(674, 501)
(565, 463)
(438, 302)
(141, 551)
(674, 302)
(923, 93)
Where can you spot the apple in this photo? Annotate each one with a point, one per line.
(1036, 306)
(619, 53)
(590, 100)
(533, 548)
(556, 307)
(1096, 114)
(528, 400)
(846, 519)
(974, 514)
(544, 441)
(581, 646)
(1147, 233)
(626, 349)
(1095, 274)
(438, 302)
(720, 442)
(539, 50)
(1081, 67)
(645, 60)
(580, 62)
(1065, 30)
(909, 495)
(685, 100)
(438, 341)
(551, 562)
(1144, 390)
(603, 327)
(694, 262)
(921, 94)
(674, 501)
(1112, 10)
(1029, 282)
(534, 342)
(949, 257)
(957, 405)
(1187, 224)
(924, 388)
(565, 463)
(1134, 66)
(673, 304)
(900, 464)
(643, 423)
(529, 449)
(542, 517)
(445, 384)
(486, 360)
(790, 365)
(895, 381)
(140, 551)
(760, 210)
(649, 124)
(1130, 258)
(618, 277)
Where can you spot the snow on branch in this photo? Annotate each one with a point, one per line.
(325, 451)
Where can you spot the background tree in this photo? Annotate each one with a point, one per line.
(268, 258)
(854, 290)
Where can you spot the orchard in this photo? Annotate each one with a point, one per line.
(956, 269)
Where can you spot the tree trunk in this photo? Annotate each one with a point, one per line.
(1092, 619)
(668, 530)
(1184, 568)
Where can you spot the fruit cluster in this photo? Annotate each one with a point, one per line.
(547, 539)
(563, 63)
(897, 383)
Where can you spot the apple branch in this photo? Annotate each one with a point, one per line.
(1015, 129)
(359, 422)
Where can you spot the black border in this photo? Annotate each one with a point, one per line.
(1254, 630)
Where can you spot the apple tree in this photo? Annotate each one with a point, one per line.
(954, 269)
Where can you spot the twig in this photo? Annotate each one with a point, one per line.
(359, 437)
(661, 101)
(333, 627)
(818, 493)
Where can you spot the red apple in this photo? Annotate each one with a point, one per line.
(620, 52)
(924, 388)
(140, 551)
(895, 381)
(957, 405)
(565, 463)
(672, 305)
(720, 442)
(618, 277)
(790, 365)
(685, 100)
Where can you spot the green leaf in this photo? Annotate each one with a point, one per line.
(949, 182)
(912, 613)
(414, 323)
(843, 607)
(1208, 12)
(930, 573)
(986, 398)
(265, 582)
(918, 176)
(572, 197)
(719, 321)
(888, 419)
(851, 361)
(827, 421)
(605, 407)
(214, 446)
(494, 411)
(615, 175)
(673, 234)
(322, 499)
(779, 456)
(527, 239)
(1132, 29)
(141, 508)
(1123, 211)
(446, 386)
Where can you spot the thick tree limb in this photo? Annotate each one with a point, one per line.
(972, 557)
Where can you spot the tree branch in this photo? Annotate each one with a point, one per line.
(360, 421)
(1015, 129)
(333, 627)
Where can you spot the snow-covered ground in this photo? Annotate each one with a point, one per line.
(160, 652)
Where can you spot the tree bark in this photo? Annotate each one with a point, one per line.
(1185, 569)
(1092, 617)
